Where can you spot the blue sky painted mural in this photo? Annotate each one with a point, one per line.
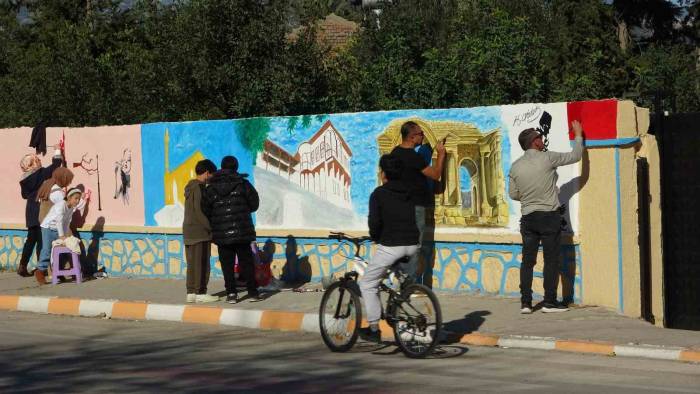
(287, 204)
(188, 142)
(360, 131)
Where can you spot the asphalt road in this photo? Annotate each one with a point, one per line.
(41, 354)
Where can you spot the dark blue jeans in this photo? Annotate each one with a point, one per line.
(539, 227)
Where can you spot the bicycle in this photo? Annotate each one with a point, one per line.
(413, 313)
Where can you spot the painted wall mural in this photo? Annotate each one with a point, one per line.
(105, 160)
(313, 172)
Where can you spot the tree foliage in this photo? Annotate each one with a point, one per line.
(88, 62)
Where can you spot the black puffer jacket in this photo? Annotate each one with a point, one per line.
(392, 215)
(228, 202)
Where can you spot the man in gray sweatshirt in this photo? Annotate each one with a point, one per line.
(533, 182)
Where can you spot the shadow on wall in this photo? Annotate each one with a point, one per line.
(568, 258)
(567, 269)
(92, 256)
(297, 269)
(567, 190)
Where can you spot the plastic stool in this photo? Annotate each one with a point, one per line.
(56, 270)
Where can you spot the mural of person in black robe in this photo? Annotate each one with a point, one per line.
(122, 176)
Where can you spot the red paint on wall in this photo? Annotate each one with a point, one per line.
(599, 118)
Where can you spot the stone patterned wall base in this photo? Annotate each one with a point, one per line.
(462, 267)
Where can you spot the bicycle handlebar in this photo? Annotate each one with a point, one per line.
(357, 241)
(344, 237)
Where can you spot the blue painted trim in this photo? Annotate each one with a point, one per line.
(613, 142)
(619, 232)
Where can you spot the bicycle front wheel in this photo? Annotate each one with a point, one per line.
(340, 316)
(417, 321)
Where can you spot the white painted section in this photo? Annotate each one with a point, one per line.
(647, 352)
(523, 116)
(170, 215)
(164, 312)
(92, 308)
(527, 343)
(240, 318)
(33, 304)
(310, 323)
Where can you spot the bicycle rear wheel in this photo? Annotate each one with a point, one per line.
(340, 316)
(417, 321)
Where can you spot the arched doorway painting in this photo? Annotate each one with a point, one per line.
(473, 171)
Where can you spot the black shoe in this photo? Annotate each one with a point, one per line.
(368, 335)
(553, 307)
(232, 298)
(526, 308)
(255, 297)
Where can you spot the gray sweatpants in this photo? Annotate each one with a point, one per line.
(382, 259)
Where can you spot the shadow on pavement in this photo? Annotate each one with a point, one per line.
(471, 322)
(188, 364)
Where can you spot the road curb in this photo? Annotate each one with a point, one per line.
(308, 322)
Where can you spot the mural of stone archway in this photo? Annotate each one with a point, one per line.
(476, 151)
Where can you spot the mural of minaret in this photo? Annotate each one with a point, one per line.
(174, 182)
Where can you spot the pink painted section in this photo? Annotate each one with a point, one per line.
(109, 143)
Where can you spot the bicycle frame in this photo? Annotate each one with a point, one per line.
(350, 276)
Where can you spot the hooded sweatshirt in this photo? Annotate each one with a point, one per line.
(195, 226)
(392, 219)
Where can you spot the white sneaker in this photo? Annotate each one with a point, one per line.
(554, 308)
(202, 298)
(525, 309)
(191, 298)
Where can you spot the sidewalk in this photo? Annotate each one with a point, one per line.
(472, 319)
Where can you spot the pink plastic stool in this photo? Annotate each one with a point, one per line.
(56, 270)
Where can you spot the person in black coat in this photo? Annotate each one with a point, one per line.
(32, 178)
(228, 202)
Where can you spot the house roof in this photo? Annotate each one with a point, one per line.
(271, 146)
(340, 136)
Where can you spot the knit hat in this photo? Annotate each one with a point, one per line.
(526, 137)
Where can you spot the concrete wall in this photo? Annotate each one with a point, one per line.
(609, 222)
(601, 259)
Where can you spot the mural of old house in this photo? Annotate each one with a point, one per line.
(320, 166)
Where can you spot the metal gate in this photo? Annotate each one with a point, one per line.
(680, 182)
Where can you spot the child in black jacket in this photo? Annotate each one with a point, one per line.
(392, 225)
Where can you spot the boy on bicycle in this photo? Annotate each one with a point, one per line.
(392, 226)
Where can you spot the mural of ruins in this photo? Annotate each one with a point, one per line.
(474, 184)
